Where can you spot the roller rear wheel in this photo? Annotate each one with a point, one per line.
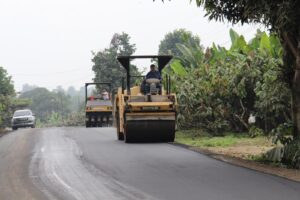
(149, 131)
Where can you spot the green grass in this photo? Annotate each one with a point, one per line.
(204, 141)
(198, 138)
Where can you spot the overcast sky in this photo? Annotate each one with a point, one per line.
(49, 42)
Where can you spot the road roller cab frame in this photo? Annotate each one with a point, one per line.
(145, 117)
(98, 110)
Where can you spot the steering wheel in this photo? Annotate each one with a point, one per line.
(152, 80)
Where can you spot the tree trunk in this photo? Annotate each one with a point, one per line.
(296, 95)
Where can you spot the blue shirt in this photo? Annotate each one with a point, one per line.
(153, 74)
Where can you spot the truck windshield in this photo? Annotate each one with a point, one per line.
(22, 113)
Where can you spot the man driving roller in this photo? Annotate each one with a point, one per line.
(153, 73)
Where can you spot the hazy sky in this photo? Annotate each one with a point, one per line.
(49, 42)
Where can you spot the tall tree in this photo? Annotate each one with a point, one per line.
(178, 36)
(59, 88)
(71, 91)
(6, 84)
(106, 66)
(26, 87)
(6, 93)
(76, 99)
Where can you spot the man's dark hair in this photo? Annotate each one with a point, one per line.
(152, 65)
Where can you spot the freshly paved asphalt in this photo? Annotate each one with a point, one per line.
(80, 163)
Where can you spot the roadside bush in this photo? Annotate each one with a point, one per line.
(57, 120)
(291, 155)
(282, 133)
(75, 119)
(255, 132)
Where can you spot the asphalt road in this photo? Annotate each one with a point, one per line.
(80, 163)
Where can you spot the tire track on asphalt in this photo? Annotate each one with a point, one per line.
(59, 170)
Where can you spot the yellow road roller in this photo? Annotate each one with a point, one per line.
(98, 107)
(145, 113)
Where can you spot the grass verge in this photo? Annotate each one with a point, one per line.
(236, 149)
(198, 138)
(237, 145)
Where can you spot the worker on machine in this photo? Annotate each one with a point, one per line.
(152, 74)
(92, 98)
(105, 95)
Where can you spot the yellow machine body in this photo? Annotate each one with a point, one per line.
(145, 113)
(98, 111)
(145, 118)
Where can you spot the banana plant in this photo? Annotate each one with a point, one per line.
(219, 88)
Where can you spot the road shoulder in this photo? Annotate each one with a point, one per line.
(290, 174)
(4, 131)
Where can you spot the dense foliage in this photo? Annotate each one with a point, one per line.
(6, 84)
(7, 93)
(218, 89)
(57, 107)
(45, 102)
(282, 17)
(8, 101)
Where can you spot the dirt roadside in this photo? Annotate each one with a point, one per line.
(4, 131)
(291, 174)
(16, 151)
